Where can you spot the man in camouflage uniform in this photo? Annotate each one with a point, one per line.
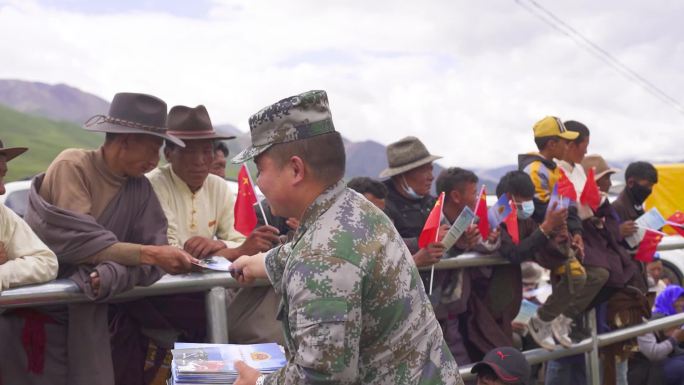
(354, 309)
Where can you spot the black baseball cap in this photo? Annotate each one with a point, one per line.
(508, 363)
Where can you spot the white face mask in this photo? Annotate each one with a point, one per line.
(527, 209)
(409, 190)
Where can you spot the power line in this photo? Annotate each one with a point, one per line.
(597, 51)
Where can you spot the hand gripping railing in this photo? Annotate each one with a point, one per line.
(63, 291)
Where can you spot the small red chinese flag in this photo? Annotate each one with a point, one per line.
(677, 218)
(431, 228)
(648, 246)
(511, 222)
(591, 196)
(565, 187)
(481, 213)
(245, 216)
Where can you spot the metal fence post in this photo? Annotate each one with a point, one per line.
(591, 358)
(217, 316)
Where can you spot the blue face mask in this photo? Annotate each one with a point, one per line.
(410, 191)
(526, 210)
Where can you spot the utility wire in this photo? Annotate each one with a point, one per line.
(597, 51)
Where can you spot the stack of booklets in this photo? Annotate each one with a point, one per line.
(198, 364)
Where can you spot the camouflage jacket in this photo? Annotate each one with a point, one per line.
(354, 309)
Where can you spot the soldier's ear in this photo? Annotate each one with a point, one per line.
(297, 168)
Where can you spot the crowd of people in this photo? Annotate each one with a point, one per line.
(347, 299)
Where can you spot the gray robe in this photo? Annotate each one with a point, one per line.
(76, 346)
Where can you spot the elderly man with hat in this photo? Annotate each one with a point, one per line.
(408, 201)
(96, 210)
(199, 209)
(352, 308)
(24, 258)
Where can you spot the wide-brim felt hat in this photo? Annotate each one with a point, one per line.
(133, 113)
(405, 155)
(187, 123)
(11, 152)
(599, 165)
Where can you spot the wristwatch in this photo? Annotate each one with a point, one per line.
(260, 380)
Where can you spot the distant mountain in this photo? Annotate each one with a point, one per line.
(57, 102)
(45, 139)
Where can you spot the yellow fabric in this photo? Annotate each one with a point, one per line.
(576, 269)
(207, 213)
(668, 192)
(552, 126)
(543, 179)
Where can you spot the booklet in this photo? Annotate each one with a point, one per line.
(458, 228)
(214, 263)
(527, 310)
(652, 219)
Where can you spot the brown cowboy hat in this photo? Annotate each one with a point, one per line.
(192, 124)
(405, 155)
(132, 113)
(11, 152)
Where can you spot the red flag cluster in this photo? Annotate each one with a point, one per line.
(431, 228)
(648, 246)
(591, 196)
(565, 187)
(481, 213)
(244, 214)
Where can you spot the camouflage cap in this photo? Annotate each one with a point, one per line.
(295, 118)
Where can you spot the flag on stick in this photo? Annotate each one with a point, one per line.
(244, 214)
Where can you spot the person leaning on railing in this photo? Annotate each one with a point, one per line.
(24, 258)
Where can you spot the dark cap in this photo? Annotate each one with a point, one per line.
(508, 363)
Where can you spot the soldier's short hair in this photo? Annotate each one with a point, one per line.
(323, 154)
(454, 178)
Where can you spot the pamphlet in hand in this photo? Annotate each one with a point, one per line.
(215, 363)
(214, 263)
(651, 220)
(527, 310)
(458, 228)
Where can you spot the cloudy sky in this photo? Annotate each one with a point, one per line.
(470, 78)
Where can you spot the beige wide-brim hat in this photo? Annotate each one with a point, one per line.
(405, 155)
(599, 165)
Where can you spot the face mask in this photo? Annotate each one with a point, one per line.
(526, 209)
(410, 191)
(639, 193)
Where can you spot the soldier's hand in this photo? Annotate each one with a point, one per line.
(248, 268)
(628, 228)
(3, 253)
(429, 255)
(201, 247)
(262, 239)
(247, 375)
(469, 238)
(171, 259)
(292, 223)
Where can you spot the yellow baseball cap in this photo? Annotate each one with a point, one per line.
(552, 126)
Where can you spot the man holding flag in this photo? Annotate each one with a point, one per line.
(199, 208)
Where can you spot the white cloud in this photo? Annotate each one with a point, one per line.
(469, 78)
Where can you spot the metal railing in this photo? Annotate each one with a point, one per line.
(63, 291)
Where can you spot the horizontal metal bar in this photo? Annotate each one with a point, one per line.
(64, 291)
(536, 356)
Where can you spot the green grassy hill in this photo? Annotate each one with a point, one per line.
(45, 139)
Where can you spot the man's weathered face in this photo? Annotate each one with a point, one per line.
(275, 183)
(576, 151)
(193, 162)
(604, 183)
(559, 147)
(140, 153)
(3, 172)
(218, 167)
(655, 269)
(420, 179)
